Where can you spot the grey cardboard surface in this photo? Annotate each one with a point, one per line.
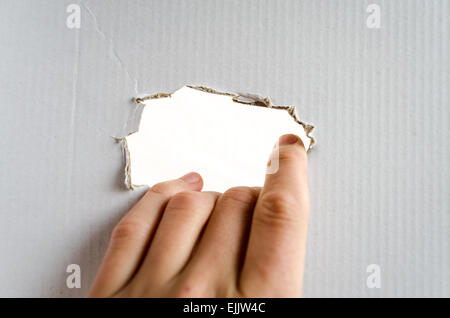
(379, 174)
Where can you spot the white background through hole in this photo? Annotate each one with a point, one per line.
(228, 143)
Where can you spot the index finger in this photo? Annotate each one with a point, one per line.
(274, 261)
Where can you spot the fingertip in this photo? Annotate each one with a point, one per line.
(193, 178)
(287, 167)
(290, 139)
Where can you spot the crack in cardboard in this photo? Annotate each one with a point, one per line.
(112, 48)
(246, 99)
(73, 111)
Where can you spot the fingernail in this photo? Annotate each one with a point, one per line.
(288, 139)
(191, 177)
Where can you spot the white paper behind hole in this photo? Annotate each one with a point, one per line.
(226, 142)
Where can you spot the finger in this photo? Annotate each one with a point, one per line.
(275, 254)
(224, 241)
(178, 232)
(131, 237)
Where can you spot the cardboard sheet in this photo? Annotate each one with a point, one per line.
(378, 93)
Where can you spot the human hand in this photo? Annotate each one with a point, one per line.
(180, 242)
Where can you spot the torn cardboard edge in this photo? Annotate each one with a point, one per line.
(246, 99)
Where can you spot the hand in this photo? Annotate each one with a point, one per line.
(180, 242)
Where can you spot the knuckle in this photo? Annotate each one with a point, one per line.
(128, 231)
(159, 188)
(241, 195)
(290, 154)
(185, 200)
(190, 289)
(278, 209)
(184, 291)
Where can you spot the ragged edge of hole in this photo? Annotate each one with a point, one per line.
(126, 153)
(246, 99)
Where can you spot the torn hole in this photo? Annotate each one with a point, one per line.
(225, 137)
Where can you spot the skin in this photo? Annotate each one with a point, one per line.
(178, 241)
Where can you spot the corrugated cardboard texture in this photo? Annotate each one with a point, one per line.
(379, 174)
